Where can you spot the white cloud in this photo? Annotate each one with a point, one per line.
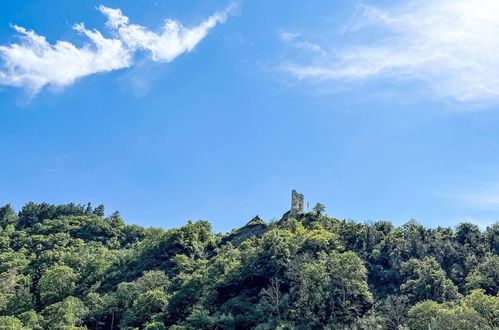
(288, 36)
(479, 195)
(450, 45)
(34, 63)
(485, 200)
(173, 40)
(294, 40)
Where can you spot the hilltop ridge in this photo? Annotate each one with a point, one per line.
(72, 266)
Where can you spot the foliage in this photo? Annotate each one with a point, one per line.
(56, 284)
(65, 314)
(476, 311)
(426, 280)
(319, 208)
(485, 275)
(71, 267)
(10, 322)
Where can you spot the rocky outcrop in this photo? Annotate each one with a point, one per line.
(256, 227)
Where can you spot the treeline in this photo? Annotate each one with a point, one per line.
(72, 267)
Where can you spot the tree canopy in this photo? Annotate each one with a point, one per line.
(71, 267)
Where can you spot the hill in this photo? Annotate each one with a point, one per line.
(72, 267)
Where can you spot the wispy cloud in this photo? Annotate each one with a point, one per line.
(35, 63)
(295, 39)
(449, 45)
(483, 200)
(482, 196)
(173, 39)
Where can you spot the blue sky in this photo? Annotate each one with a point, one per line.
(381, 110)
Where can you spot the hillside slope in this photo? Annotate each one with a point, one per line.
(69, 266)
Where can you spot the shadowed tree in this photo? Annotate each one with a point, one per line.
(319, 208)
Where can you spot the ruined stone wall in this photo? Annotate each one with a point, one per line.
(296, 202)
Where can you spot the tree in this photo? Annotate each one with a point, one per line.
(331, 290)
(145, 307)
(393, 310)
(153, 280)
(485, 275)
(182, 301)
(485, 306)
(426, 280)
(492, 238)
(99, 210)
(155, 326)
(10, 322)
(31, 320)
(422, 314)
(199, 319)
(476, 311)
(319, 208)
(29, 215)
(15, 295)
(7, 216)
(272, 295)
(65, 314)
(468, 234)
(56, 284)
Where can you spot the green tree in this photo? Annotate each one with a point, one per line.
(332, 289)
(31, 320)
(199, 319)
(65, 314)
(485, 275)
(99, 210)
(426, 280)
(492, 238)
(56, 284)
(468, 234)
(91, 262)
(155, 326)
(15, 295)
(421, 316)
(7, 216)
(393, 310)
(319, 208)
(487, 307)
(476, 311)
(147, 305)
(10, 322)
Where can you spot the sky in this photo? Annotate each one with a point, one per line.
(170, 111)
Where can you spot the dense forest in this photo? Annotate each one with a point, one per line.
(72, 267)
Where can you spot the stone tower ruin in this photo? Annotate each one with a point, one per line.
(296, 202)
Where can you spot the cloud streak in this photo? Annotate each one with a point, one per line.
(482, 197)
(173, 39)
(449, 45)
(35, 63)
(294, 40)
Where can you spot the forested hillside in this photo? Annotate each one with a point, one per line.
(70, 266)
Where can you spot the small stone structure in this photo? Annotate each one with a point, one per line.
(296, 206)
(296, 202)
